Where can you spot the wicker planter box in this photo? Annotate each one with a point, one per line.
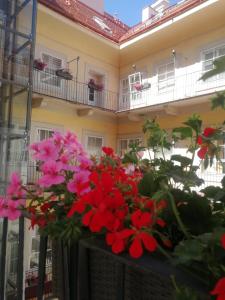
(64, 271)
(105, 276)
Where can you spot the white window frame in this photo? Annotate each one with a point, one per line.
(43, 126)
(40, 50)
(135, 78)
(124, 92)
(203, 60)
(93, 135)
(51, 75)
(128, 138)
(99, 97)
(169, 83)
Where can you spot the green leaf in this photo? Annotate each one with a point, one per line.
(195, 123)
(146, 186)
(206, 162)
(218, 101)
(185, 293)
(223, 182)
(182, 133)
(183, 160)
(130, 157)
(211, 191)
(188, 251)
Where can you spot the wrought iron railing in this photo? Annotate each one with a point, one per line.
(184, 85)
(52, 85)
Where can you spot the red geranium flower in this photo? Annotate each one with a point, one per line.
(108, 151)
(202, 152)
(118, 240)
(143, 238)
(199, 140)
(223, 240)
(209, 131)
(219, 289)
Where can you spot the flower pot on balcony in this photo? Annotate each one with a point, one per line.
(64, 73)
(105, 276)
(39, 65)
(142, 86)
(94, 86)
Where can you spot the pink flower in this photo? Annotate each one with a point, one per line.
(15, 187)
(51, 175)
(3, 208)
(65, 161)
(13, 211)
(84, 161)
(46, 150)
(58, 139)
(140, 154)
(129, 170)
(80, 183)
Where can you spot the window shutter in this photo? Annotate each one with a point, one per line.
(48, 76)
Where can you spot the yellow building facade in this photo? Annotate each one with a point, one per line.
(120, 76)
(168, 59)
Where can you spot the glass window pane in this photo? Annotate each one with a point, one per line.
(209, 55)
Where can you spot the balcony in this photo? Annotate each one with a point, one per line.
(184, 85)
(70, 90)
(179, 87)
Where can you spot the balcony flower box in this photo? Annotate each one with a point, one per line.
(106, 276)
(39, 65)
(142, 86)
(64, 73)
(142, 206)
(94, 86)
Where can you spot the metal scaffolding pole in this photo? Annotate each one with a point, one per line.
(17, 44)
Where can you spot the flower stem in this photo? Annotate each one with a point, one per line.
(175, 284)
(177, 216)
(164, 252)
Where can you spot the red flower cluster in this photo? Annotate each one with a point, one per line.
(204, 142)
(219, 289)
(114, 205)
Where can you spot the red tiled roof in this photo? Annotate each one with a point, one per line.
(83, 14)
(157, 20)
(115, 30)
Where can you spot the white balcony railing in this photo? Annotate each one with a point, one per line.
(181, 87)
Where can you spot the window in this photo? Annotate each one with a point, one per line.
(124, 144)
(166, 77)
(94, 145)
(48, 76)
(35, 247)
(14, 257)
(43, 134)
(124, 90)
(209, 56)
(102, 24)
(135, 80)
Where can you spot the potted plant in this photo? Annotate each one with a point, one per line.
(39, 65)
(94, 86)
(142, 86)
(64, 169)
(64, 73)
(147, 207)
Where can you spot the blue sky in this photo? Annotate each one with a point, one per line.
(129, 11)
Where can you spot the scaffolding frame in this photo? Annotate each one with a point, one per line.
(11, 32)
